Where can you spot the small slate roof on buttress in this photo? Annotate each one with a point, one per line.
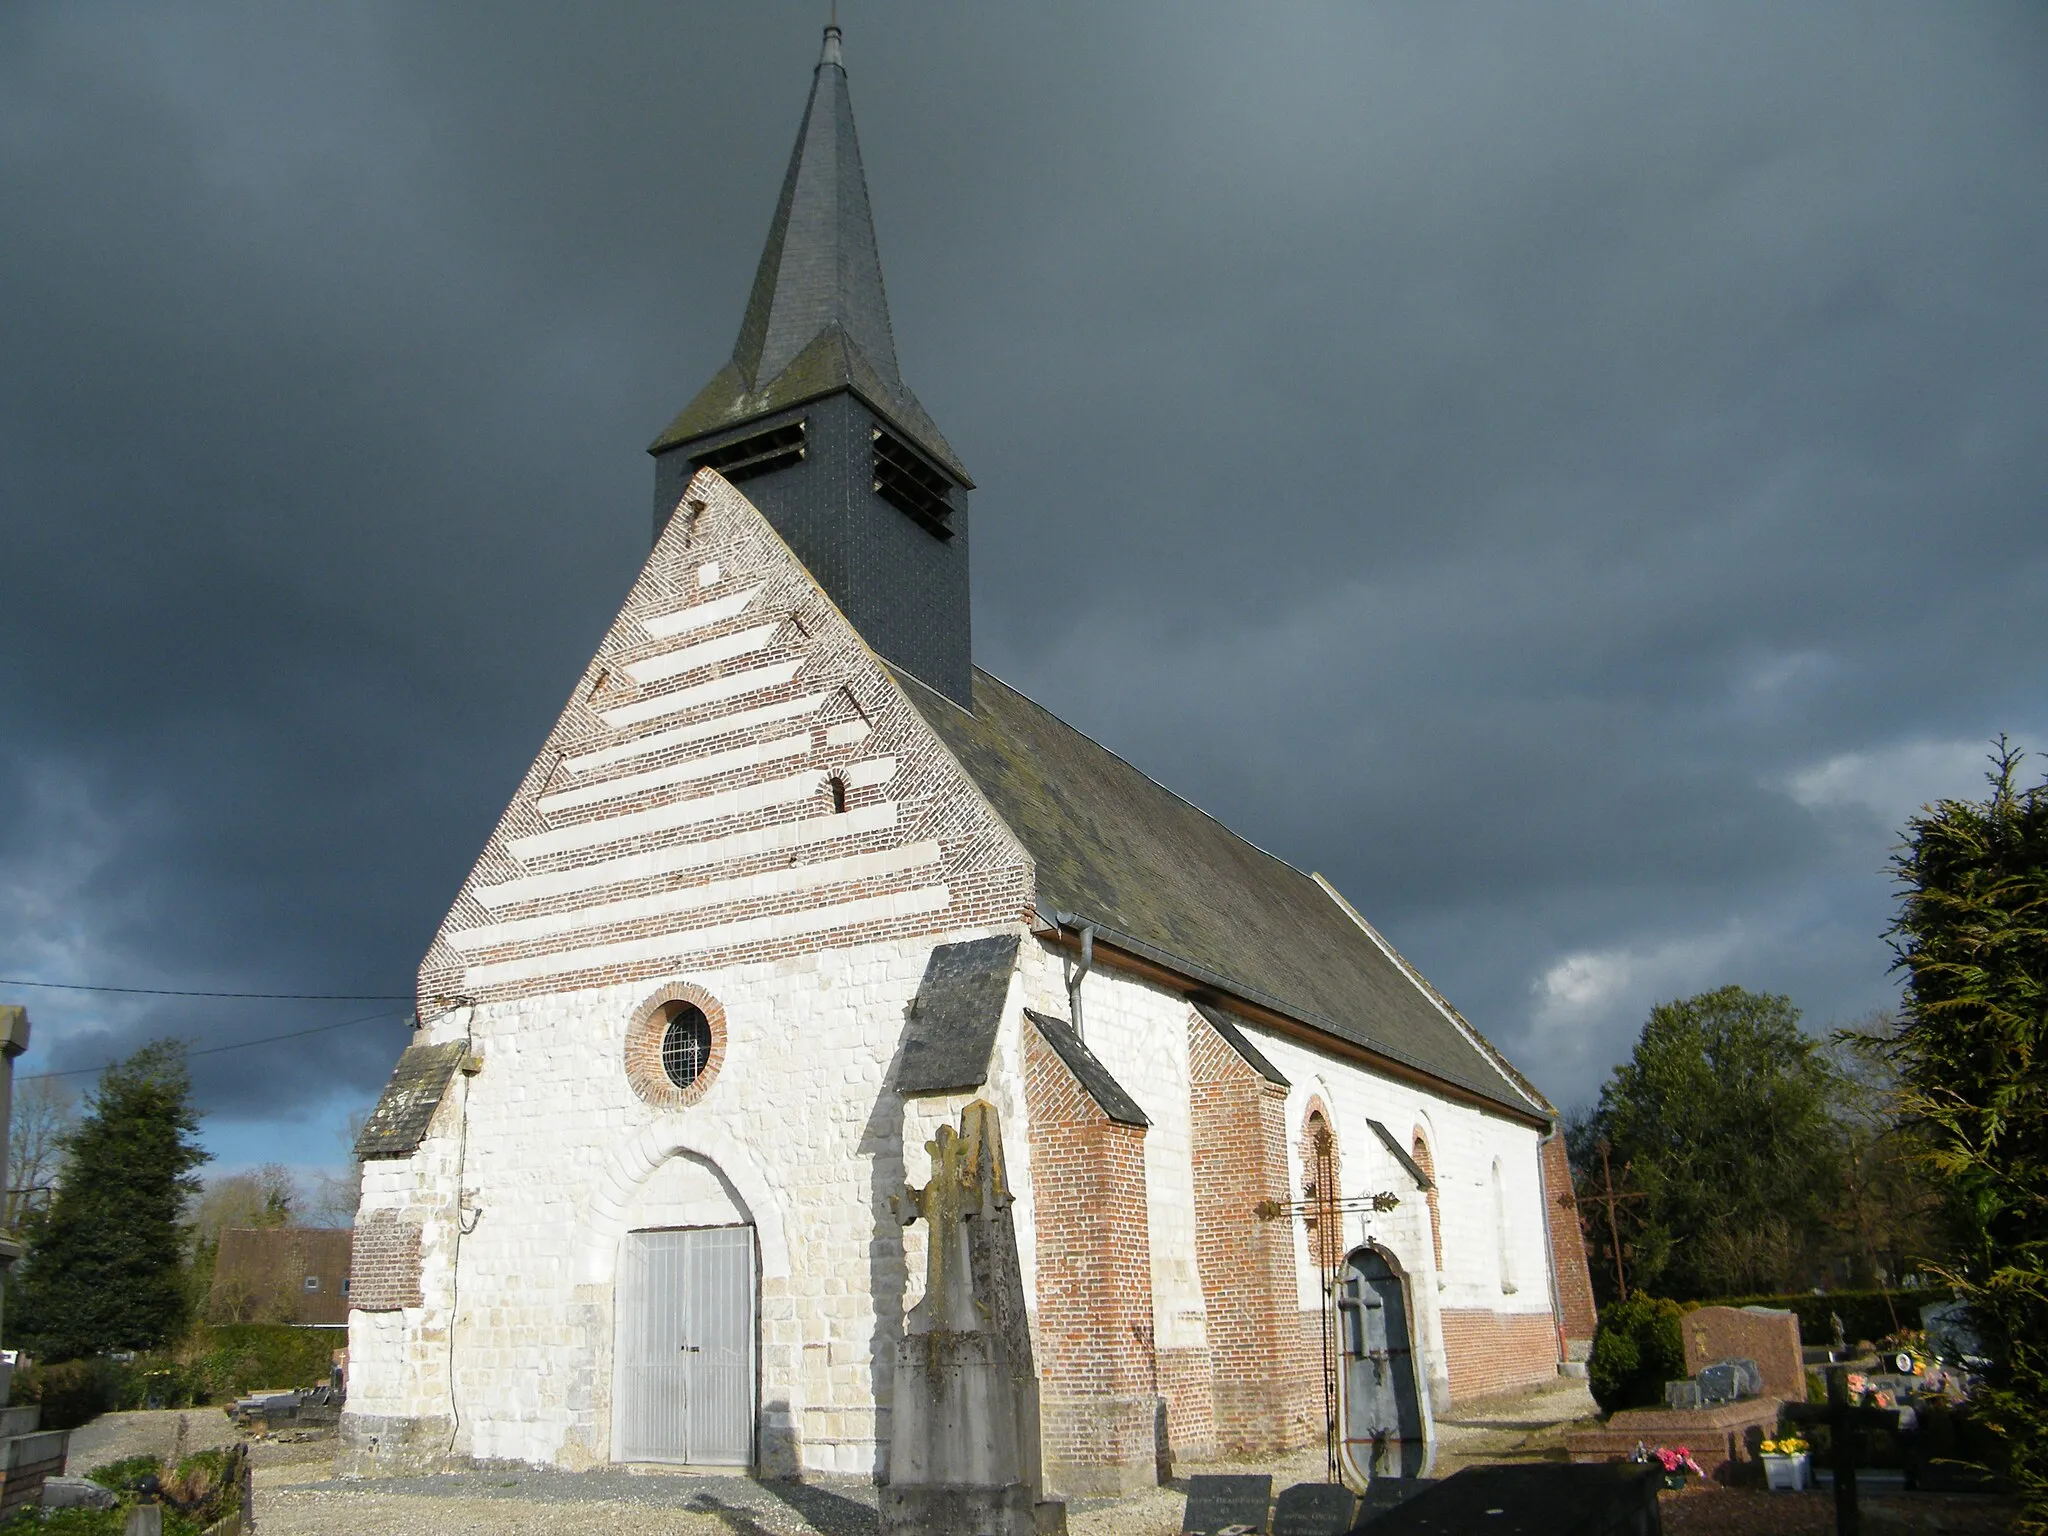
(419, 1082)
(951, 1031)
(1088, 1070)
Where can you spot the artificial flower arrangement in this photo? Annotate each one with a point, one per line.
(1675, 1463)
(1787, 1445)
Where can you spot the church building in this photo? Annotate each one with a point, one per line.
(790, 883)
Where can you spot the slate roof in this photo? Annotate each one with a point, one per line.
(1093, 1076)
(1170, 883)
(951, 1030)
(818, 319)
(1401, 1155)
(398, 1124)
(1234, 1037)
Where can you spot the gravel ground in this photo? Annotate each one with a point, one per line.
(302, 1500)
(116, 1436)
(297, 1495)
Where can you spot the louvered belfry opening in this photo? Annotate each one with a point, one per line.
(757, 454)
(906, 481)
(812, 413)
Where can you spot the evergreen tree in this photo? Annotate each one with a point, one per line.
(1972, 938)
(1723, 1119)
(103, 1268)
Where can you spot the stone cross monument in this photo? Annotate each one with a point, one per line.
(964, 1452)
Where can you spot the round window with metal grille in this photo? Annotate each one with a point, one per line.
(685, 1044)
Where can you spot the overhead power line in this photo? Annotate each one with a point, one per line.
(272, 997)
(239, 1045)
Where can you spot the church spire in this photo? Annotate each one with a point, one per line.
(812, 412)
(817, 318)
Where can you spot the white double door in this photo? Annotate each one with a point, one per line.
(684, 1368)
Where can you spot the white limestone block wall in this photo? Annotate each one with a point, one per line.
(1464, 1142)
(398, 1361)
(795, 1134)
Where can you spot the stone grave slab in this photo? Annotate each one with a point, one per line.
(1543, 1499)
(1218, 1503)
(1766, 1335)
(1385, 1493)
(1315, 1509)
(1720, 1437)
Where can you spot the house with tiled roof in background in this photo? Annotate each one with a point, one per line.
(789, 884)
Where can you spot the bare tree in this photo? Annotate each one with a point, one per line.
(257, 1197)
(333, 1199)
(44, 1113)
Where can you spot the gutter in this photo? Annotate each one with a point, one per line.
(1176, 973)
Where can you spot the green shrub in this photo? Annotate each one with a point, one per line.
(124, 1474)
(71, 1391)
(1637, 1347)
(205, 1483)
(156, 1381)
(229, 1359)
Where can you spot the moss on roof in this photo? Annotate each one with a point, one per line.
(1114, 848)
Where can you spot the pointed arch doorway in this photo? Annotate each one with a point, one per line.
(1384, 1433)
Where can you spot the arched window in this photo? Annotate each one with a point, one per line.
(1319, 1186)
(1436, 1216)
(1500, 1230)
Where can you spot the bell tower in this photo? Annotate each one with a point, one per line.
(812, 417)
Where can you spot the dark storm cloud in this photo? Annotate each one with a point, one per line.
(1571, 474)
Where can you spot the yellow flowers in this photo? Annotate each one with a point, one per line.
(1791, 1445)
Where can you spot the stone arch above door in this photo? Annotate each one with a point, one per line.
(604, 1221)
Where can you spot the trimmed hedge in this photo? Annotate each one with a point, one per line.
(213, 1365)
(1864, 1314)
(232, 1358)
(72, 1391)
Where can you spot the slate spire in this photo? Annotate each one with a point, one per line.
(813, 415)
(818, 318)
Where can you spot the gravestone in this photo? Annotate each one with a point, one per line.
(1764, 1334)
(1682, 1396)
(1539, 1499)
(1951, 1334)
(964, 1441)
(1385, 1493)
(1730, 1381)
(1218, 1504)
(1315, 1509)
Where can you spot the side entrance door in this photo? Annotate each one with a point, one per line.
(684, 1374)
(1383, 1432)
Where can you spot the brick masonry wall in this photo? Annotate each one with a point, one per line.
(1567, 1244)
(384, 1263)
(1096, 1363)
(1491, 1352)
(1262, 1376)
(736, 778)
